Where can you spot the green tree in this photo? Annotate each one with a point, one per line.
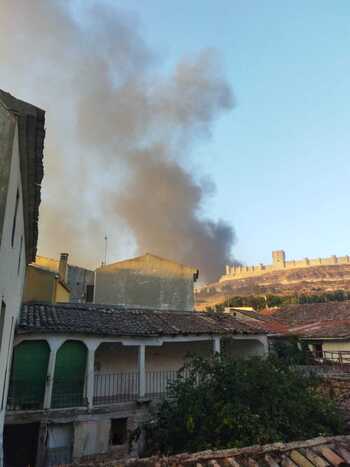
(224, 403)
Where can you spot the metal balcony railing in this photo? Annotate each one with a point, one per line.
(24, 396)
(339, 357)
(68, 394)
(115, 387)
(119, 387)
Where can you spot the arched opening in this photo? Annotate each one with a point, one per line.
(69, 377)
(28, 375)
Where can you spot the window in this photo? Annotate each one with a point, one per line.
(118, 434)
(20, 255)
(89, 293)
(14, 220)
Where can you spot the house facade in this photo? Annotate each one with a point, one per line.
(45, 286)
(85, 376)
(146, 281)
(80, 281)
(21, 171)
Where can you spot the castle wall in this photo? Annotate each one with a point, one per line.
(241, 272)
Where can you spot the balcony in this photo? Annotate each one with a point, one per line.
(109, 388)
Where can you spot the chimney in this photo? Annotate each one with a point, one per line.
(62, 267)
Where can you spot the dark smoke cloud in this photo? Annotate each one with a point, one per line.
(120, 133)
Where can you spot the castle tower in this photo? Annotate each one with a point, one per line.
(278, 258)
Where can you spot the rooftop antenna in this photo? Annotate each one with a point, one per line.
(106, 245)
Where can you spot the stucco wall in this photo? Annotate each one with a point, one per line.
(39, 285)
(7, 128)
(335, 346)
(147, 281)
(62, 294)
(11, 274)
(116, 358)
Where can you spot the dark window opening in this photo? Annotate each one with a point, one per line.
(118, 431)
(319, 350)
(14, 220)
(20, 255)
(89, 293)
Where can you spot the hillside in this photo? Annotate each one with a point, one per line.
(308, 280)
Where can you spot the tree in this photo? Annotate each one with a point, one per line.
(223, 403)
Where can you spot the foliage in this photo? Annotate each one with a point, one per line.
(292, 352)
(224, 403)
(258, 302)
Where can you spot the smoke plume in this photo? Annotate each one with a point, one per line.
(120, 131)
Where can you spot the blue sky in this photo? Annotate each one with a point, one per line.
(280, 158)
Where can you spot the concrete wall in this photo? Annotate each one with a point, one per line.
(12, 268)
(147, 281)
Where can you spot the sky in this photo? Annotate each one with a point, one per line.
(278, 157)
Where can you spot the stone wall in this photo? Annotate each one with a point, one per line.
(241, 272)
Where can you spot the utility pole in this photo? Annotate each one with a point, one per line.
(106, 245)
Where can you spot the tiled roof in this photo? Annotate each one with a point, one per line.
(317, 452)
(109, 320)
(328, 320)
(310, 312)
(31, 133)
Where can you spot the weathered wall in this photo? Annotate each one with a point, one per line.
(77, 278)
(43, 286)
(39, 285)
(7, 128)
(12, 272)
(62, 294)
(147, 281)
(116, 358)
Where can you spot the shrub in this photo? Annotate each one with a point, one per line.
(225, 403)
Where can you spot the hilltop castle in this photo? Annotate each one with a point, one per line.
(279, 263)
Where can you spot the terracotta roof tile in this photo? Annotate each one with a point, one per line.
(317, 452)
(110, 320)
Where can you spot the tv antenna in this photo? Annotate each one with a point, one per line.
(106, 245)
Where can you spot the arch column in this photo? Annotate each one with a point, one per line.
(142, 370)
(217, 344)
(54, 344)
(90, 370)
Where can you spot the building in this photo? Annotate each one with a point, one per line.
(80, 281)
(85, 375)
(279, 263)
(43, 285)
(146, 281)
(325, 327)
(22, 133)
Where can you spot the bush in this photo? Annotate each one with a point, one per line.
(225, 403)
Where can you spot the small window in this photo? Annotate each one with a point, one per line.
(20, 256)
(14, 220)
(89, 293)
(118, 431)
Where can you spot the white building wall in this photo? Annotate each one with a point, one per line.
(11, 275)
